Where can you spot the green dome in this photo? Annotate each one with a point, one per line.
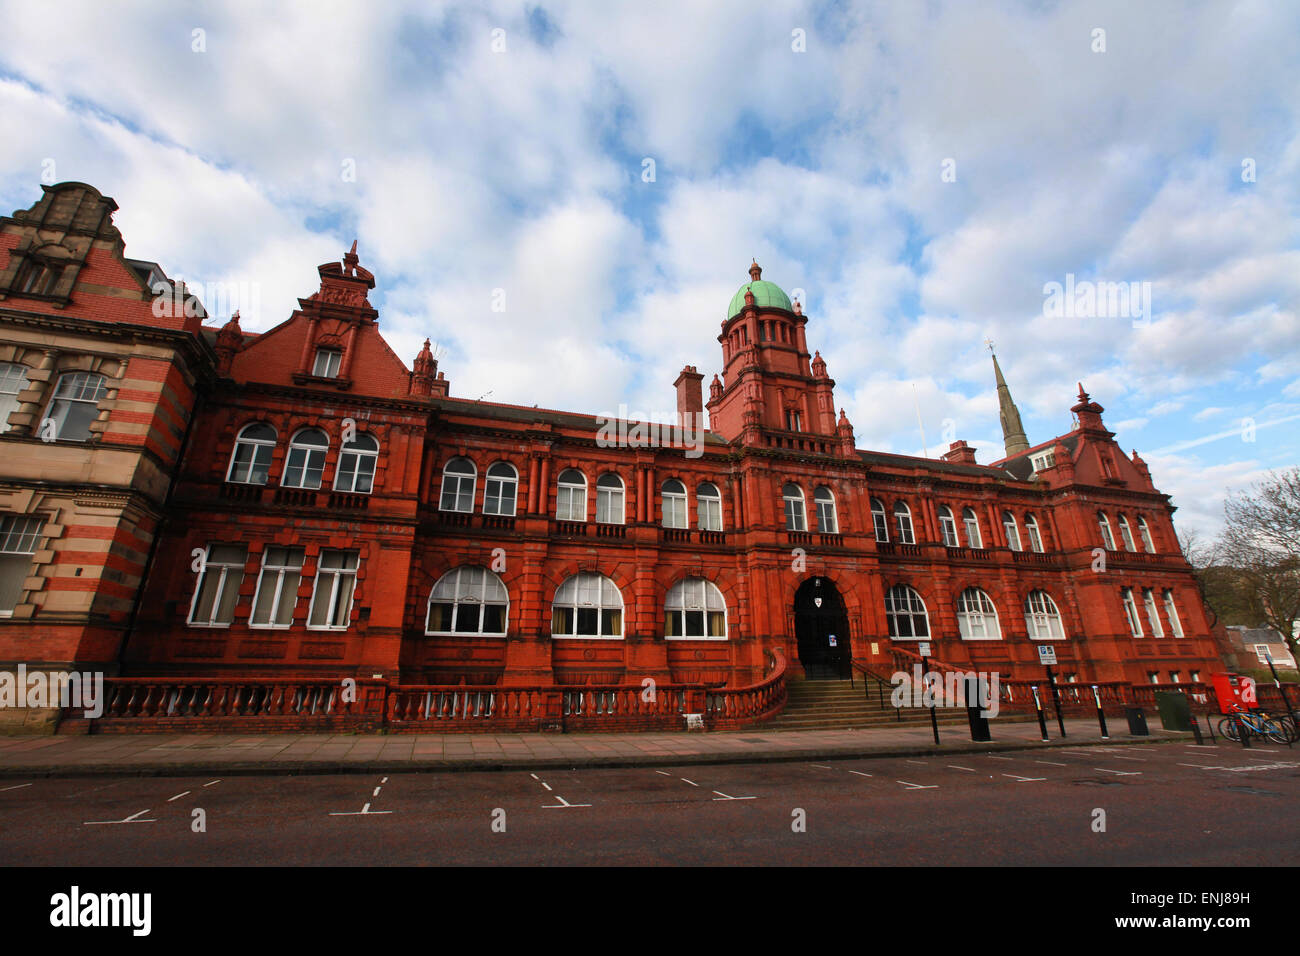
(767, 295)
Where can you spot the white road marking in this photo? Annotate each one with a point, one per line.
(15, 787)
(1119, 773)
(1052, 763)
(563, 804)
(546, 785)
(996, 757)
(953, 766)
(210, 784)
(917, 786)
(1023, 779)
(130, 819)
(921, 762)
(860, 773)
(533, 775)
(376, 792)
(691, 782)
(1138, 759)
(818, 765)
(385, 780)
(363, 812)
(177, 797)
(1198, 766)
(723, 796)
(664, 772)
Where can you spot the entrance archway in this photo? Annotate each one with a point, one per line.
(821, 627)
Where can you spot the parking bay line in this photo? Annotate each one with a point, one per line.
(133, 818)
(918, 786)
(1023, 779)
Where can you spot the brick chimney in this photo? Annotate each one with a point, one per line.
(960, 453)
(690, 397)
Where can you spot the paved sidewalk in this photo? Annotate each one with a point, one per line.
(198, 753)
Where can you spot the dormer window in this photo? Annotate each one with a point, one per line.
(327, 363)
(1042, 461)
(35, 277)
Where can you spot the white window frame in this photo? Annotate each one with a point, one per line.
(796, 518)
(501, 485)
(1012, 531)
(13, 381)
(1103, 524)
(78, 386)
(1171, 612)
(694, 596)
(1144, 531)
(327, 363)
(1043, 617)
(674, 512)
(279, 573)
(974, 608)
(708, 506)
(828, 519)
(901, 602)
(20, 535)
(337, 577)
(1042, 461)
(1153, 613)
(490, 591)
(571, 497)
(611, 507)
(261, 448)
(879, 520)
(971, 523)
(948, 528)
(903, 523)
(1126, 534)
(453, 482)
(1131, 612)
(309, 453)
(570, 596)
(1035, 536)
(357, 465)
(223, 570)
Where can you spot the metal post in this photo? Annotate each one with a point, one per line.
(1101, 716)
(1243, 731)
(1286, 701)
(934, 720)
(1209, 725)
(1196, 732)
(1056, 700)
(1042, 724)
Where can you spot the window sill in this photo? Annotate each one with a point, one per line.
(463, 634)
(586, 637)
(207, 627)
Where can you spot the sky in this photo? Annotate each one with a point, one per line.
(564, 197)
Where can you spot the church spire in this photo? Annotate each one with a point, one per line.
(1013, 432)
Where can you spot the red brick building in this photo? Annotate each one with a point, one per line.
(335, 514)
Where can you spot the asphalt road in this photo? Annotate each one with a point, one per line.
(1168, 805)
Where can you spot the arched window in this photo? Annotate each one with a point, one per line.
(1131, 612)
(1145, 532)
(468, 600)
(609, 499)
(459, 478)
(587, 605)
(13, 379)
(972, 524)
(356, 470)
(674, 507)
(906, 613)
(1126, 534)
(571, 496)
(795, 519)
(1171, 612)
(1042, 618)
(306, 462)
(708, 505)
(501, 489)
(948, 527)
(977, 618)
(695, 610)
(1107, 538)
(1153, 615)
(827, 520)
(250, 462)
(878, 520)
(76, 405)
(1013, 531)
(1035, 538)
(903, 522)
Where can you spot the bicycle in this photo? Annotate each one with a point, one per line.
(1282, 730)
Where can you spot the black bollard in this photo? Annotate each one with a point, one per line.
(1196, 732)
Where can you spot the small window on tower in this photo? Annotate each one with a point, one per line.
(792, 421)
(327, 363)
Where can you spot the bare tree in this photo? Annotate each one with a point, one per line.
(1261, 543)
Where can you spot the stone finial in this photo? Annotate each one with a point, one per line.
(755, 272)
